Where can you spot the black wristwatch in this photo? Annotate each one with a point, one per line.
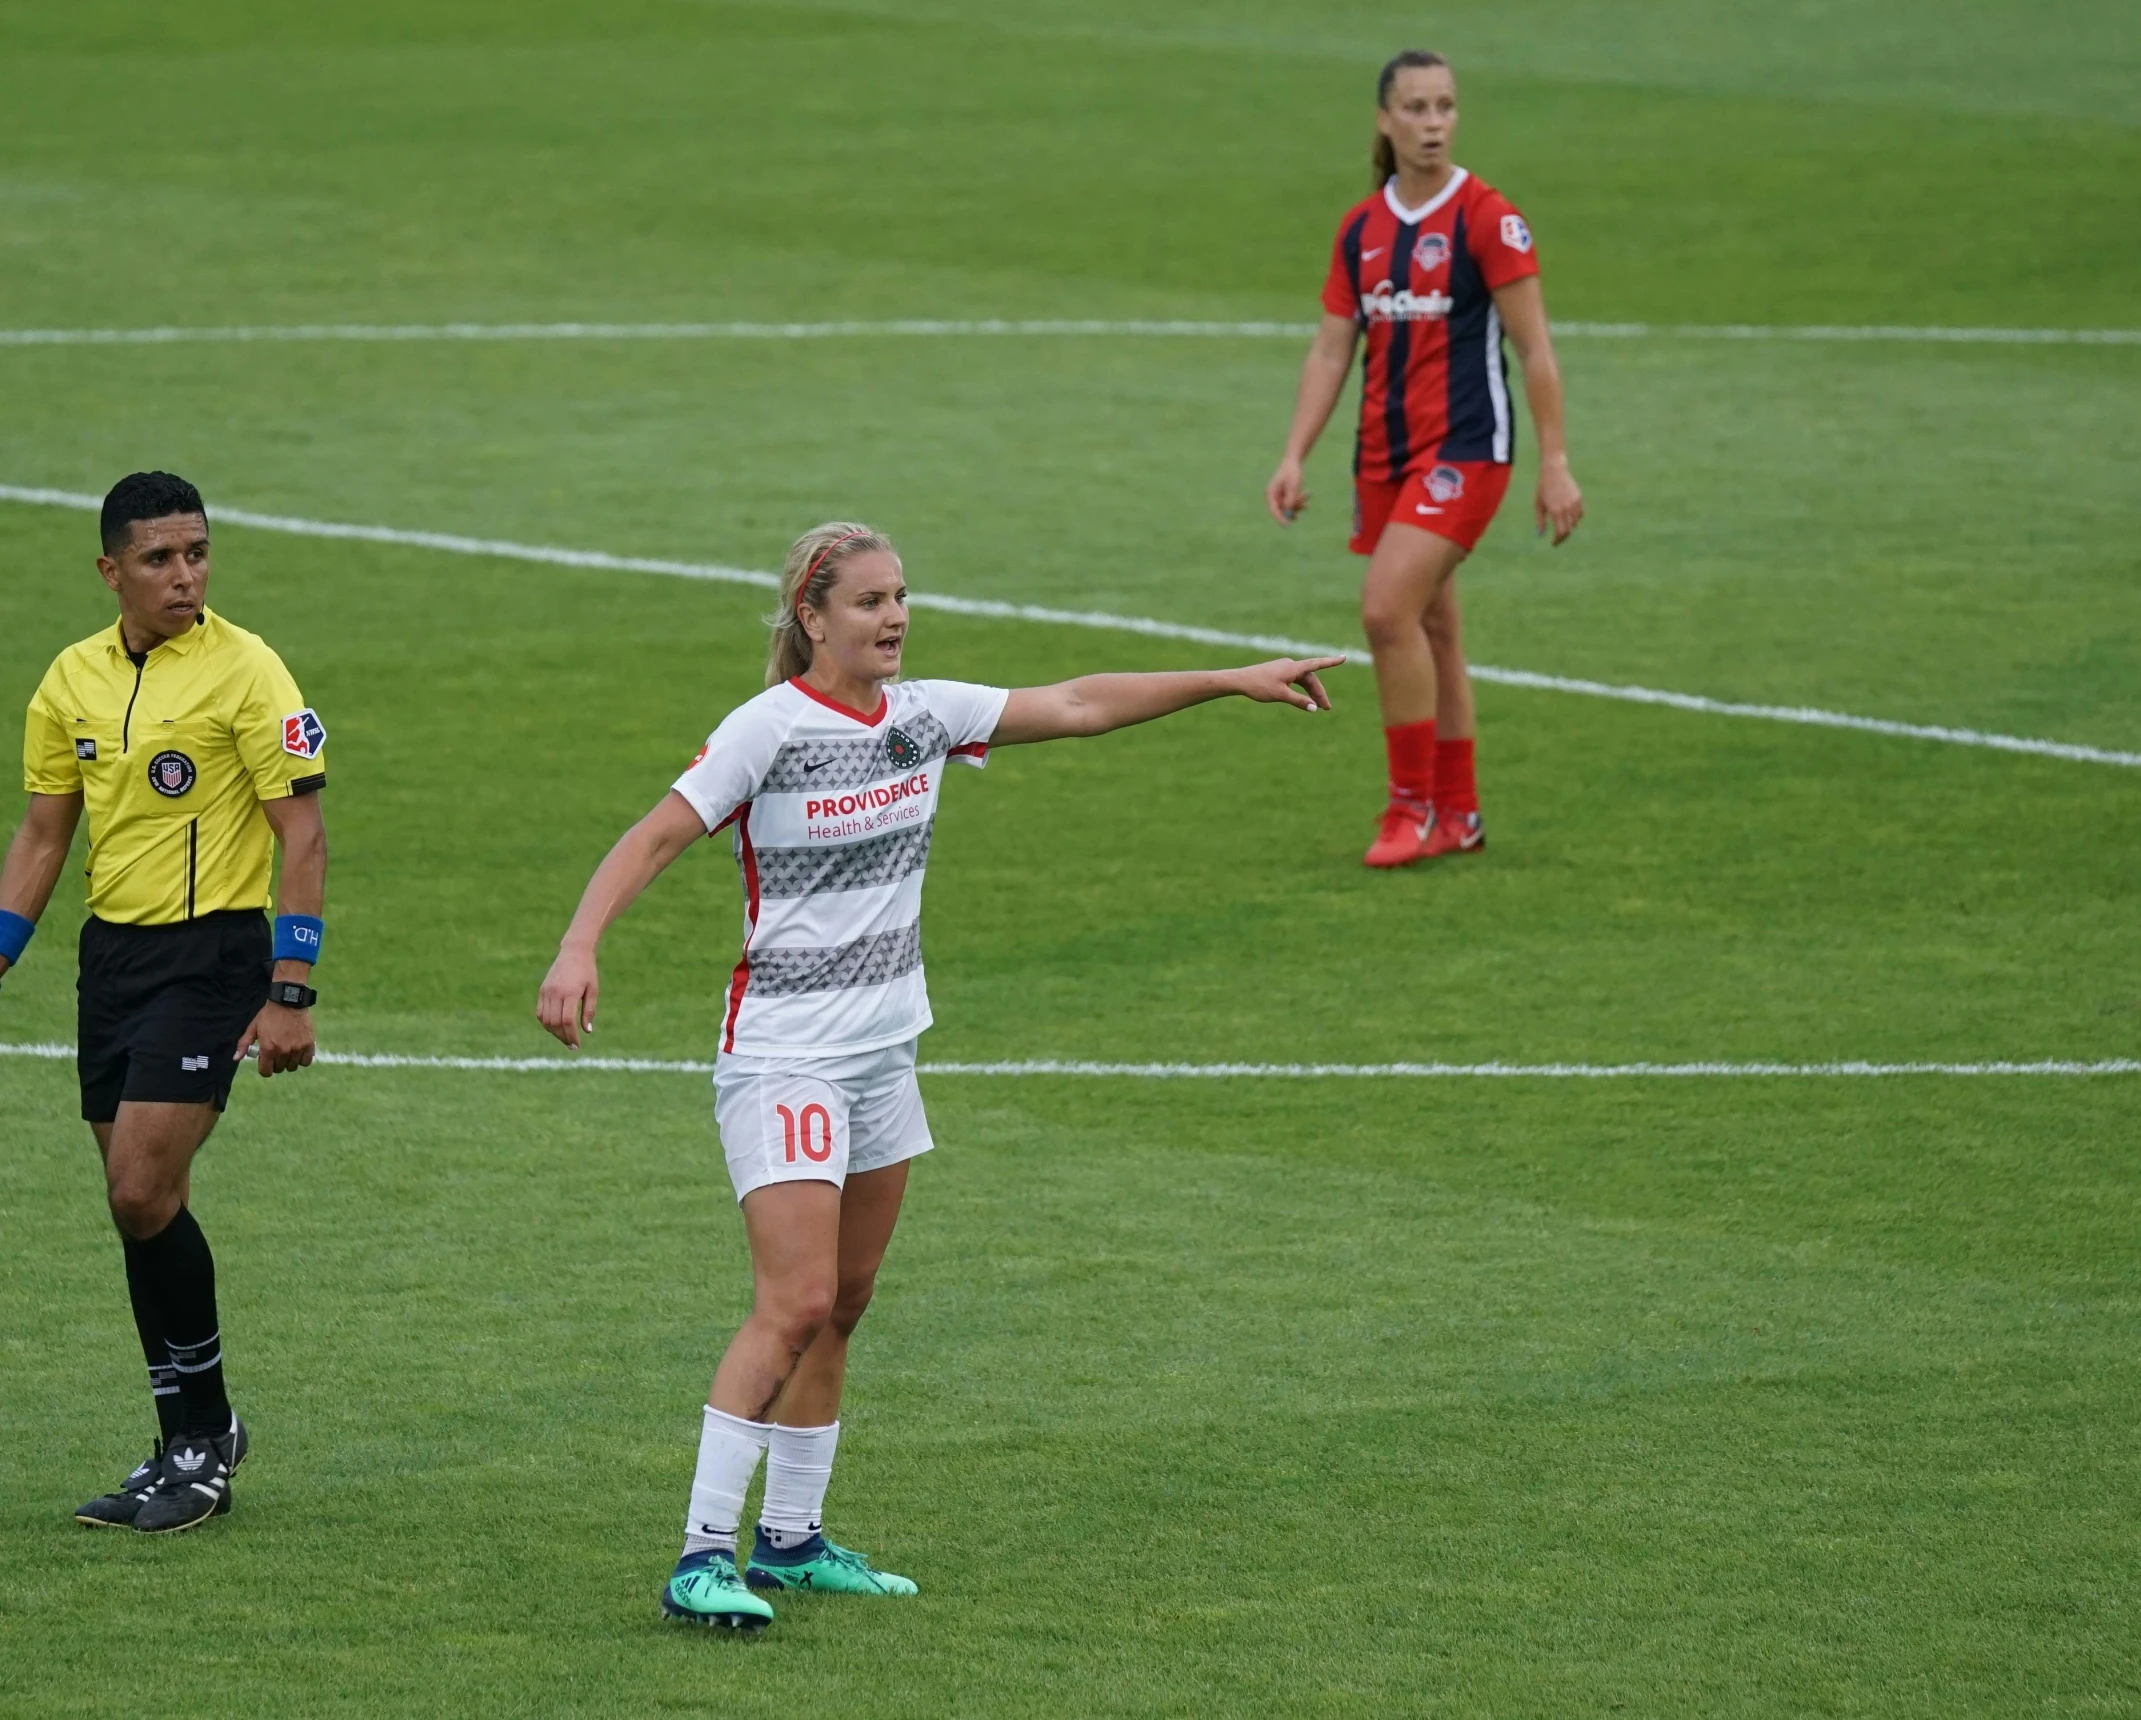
(291, 995)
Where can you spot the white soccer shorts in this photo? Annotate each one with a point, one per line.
(818, 1119)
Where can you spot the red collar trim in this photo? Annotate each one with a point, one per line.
(884, 703)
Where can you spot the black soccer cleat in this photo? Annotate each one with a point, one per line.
(192, 1482)
(118, 1508)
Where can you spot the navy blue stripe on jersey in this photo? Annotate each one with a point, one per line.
(1470, 435)
(1399, 355)
(1349, 249)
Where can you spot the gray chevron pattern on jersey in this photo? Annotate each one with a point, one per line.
(874, 960)
(851, 866)
(853, 763)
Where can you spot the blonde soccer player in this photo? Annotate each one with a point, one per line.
(828, 781)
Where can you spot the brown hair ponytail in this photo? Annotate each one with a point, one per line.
(1385, 158)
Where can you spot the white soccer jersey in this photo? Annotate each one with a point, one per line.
(832, 812)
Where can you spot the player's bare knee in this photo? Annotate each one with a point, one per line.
(1389, 626)
(801, 1314)
(850, 1305)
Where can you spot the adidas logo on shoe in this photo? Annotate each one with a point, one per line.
(189, 1460)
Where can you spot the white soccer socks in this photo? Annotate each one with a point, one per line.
(799, 1464)
(729, 1449)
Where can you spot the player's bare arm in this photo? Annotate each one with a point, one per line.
(1558, 502)
(566, 1004)
(1323, 380)
(1095, 704)
(282, 1036)
(34, 860)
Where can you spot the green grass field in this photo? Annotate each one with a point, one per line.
(1509, 1398)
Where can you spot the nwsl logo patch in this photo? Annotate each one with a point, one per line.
(171, 774)
(303, 733)
(1432, 251)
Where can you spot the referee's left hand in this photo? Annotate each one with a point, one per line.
(282, 1036)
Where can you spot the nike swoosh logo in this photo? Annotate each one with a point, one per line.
(1425, 509)
(816, 764)
(1370, 256)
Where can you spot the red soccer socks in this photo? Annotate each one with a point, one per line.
(1426, 773)
(1455, 791)
(1402, 836)
(1411, 750)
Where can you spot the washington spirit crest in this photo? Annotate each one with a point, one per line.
(1445, 483)
(903, 750)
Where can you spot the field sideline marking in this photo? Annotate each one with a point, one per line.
(992, 610)
(1224, 1071)
(928, 327)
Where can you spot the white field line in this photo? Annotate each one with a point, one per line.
(1231, 1071)
(933, 327)
(993, 610)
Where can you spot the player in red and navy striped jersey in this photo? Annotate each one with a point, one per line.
(1432, 270)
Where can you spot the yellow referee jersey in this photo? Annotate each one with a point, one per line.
(173, 752)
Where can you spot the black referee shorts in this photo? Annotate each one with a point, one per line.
(161, 1007)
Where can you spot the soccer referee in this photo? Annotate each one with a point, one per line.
(195, 755)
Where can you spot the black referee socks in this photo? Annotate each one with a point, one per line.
(182, 1278)
(149, 1323)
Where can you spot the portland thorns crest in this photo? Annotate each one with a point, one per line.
(904, 751)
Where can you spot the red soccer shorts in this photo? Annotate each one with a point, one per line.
(1454, 499)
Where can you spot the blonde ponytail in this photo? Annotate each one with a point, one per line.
(808, 576)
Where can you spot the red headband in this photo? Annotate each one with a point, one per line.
(817, 561)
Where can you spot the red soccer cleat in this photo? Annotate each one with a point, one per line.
(1403, 837)
(1456, 833)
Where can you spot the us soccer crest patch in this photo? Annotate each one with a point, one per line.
(903, 750)
(170, 774)
(303, 733)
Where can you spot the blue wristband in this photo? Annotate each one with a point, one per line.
(297, 938)
(15, 933)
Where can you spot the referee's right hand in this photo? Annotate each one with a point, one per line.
(566, 1004)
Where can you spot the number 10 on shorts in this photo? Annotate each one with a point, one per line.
(812, 1130)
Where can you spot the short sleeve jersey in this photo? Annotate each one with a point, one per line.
(1421, 283)
(173, 754)
(832, 813)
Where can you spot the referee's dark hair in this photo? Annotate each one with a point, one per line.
(145, 496)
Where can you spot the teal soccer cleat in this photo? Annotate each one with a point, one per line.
(820, 1568)
(705, 1589)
